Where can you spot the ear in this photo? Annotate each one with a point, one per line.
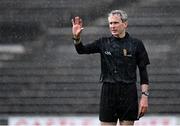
(126, 24)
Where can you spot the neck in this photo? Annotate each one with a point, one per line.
(122, 35)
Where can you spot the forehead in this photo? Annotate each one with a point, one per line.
(113, 18)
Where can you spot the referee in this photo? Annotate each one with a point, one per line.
(121, 54)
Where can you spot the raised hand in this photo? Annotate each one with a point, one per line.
(77, 27)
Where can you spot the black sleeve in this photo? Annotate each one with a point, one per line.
(142, 56)
(143, 75)
(93, 47)
(142, 62)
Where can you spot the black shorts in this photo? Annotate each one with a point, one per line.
(118, 101)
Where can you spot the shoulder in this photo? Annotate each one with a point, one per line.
(104, 40)
(138, 44)
(136, 40)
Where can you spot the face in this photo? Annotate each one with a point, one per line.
(117, 27)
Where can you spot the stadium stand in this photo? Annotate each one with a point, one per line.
(50, 78)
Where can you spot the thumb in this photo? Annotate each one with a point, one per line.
(78, 33)
(82, 28)
(139, 113)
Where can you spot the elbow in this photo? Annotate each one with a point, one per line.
(79, 51)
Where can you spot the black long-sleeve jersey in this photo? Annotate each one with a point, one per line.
(120, 58)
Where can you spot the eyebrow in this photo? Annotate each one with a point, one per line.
(113, 22)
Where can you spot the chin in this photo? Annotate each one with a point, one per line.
(114, 34)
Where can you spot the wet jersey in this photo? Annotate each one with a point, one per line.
(120, 57)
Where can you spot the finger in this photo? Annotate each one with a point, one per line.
(82, 29)
(144, 109)
(141, 115)
(140, 108)
(80, 22)
(72, 20)
(77, 20)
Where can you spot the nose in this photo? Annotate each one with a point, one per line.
(112, 25)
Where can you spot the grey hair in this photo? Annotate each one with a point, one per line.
(123, 15)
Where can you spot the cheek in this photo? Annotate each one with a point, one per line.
(121, 26)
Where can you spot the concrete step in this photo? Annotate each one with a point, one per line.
(48, 109)
(174, 109)
(65, 86)
(47, 4)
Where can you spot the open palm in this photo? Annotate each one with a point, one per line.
(77, 27)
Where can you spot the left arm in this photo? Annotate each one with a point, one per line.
(143, 61)
(143, 105)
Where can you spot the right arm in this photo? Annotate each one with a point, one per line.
(76, 31)
(88, 48)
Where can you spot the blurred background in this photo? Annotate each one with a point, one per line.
(42, 75)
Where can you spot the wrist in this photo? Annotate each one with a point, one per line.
(145, 93)
(76, 40)
(76, 37)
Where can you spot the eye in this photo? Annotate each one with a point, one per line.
(116, 22)
(113, 23)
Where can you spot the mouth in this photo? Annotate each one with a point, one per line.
(113, 31)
